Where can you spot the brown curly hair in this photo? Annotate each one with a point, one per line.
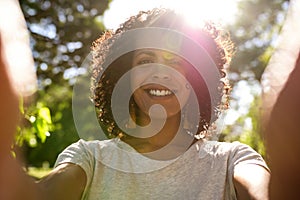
(213, 39)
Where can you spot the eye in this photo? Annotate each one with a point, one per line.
(175, 62)
(145, 61)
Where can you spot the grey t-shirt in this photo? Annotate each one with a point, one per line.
(116, 171)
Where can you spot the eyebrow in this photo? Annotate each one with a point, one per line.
(147, 52)
(153, 54)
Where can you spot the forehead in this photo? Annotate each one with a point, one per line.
(155, 52)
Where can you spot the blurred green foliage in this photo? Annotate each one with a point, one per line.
(37, 124)
(247, 128)
(61, 32)
(255, 33)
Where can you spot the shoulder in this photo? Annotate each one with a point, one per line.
(232, 148)
(231, 152)
(83, 151)
(221, 148)
(242, 154)
(92, 144)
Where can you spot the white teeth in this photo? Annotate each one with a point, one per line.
(160, 92)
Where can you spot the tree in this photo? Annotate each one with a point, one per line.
(255, 33)
(62, 32)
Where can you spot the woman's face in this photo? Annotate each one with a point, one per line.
(159, 77)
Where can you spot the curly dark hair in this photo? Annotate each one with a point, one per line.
(211, 37)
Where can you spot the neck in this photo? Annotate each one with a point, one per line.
(167, 133)
(159, 140)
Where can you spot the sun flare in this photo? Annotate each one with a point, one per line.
(194, 10)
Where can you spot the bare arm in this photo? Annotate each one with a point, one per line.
(281, 109)
(12, 178)
(251, 182)
(67, 181)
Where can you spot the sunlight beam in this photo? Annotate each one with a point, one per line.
(196, 11)
(220, 11)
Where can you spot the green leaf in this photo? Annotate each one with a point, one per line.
(42, 128)
(44, 113)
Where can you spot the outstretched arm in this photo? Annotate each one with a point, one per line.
(12, 178)
(67, 181)
(281, 106)
(251, 182)
(16, 74)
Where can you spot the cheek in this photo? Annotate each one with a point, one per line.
(137, 77)
(185, 89)
(184, 95)
(135, 81)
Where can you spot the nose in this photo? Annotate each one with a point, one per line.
(161, 73)
(165, 77)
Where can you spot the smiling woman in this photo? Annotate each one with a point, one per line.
(157, 85)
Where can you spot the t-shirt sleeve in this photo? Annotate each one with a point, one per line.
(241, 154)
(80, 154)
(244, 154)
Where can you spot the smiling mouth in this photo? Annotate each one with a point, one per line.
(160, 92)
